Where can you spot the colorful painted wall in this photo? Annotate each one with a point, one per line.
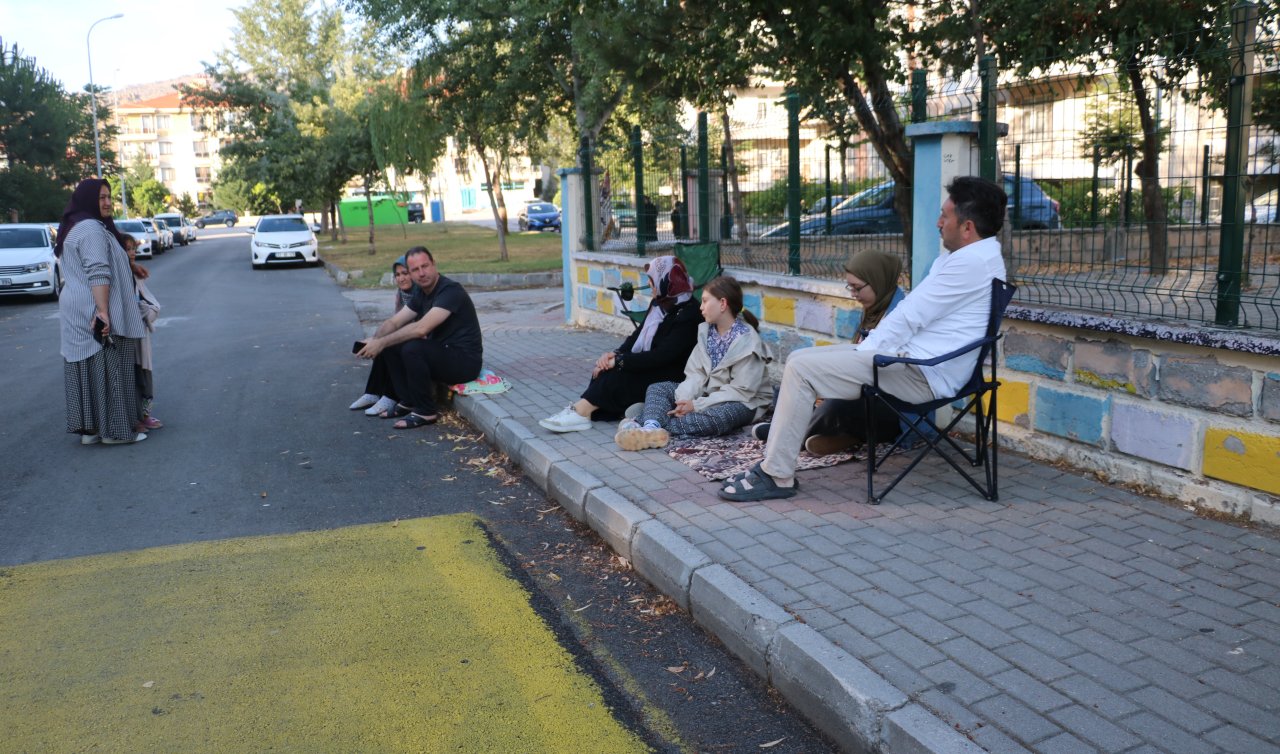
(1182, 412)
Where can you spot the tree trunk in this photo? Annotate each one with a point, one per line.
(735, 195)
(368, 203)
(499, 213)
(1155, 212)
(879, 121)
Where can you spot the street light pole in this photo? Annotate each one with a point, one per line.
(97, 152)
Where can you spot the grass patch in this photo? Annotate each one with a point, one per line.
(457, 247)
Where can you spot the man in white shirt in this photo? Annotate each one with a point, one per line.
(948, 309)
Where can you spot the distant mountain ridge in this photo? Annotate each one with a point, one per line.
(138, 92)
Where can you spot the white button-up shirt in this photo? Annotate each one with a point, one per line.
(947, 310)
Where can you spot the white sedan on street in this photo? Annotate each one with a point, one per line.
(283, 239)
(27, 264)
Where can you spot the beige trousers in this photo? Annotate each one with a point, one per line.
(827, 372)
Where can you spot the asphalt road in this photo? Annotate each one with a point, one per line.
(253, 376)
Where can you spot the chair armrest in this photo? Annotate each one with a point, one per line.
(882, 360)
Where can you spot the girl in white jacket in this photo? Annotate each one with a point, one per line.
(726, 384)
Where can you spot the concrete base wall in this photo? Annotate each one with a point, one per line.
(1198, 423)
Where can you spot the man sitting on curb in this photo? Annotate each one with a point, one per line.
(948, 309)
(435, 338)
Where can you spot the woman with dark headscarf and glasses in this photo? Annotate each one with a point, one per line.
(101, 324)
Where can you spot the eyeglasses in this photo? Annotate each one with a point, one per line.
(855, 289)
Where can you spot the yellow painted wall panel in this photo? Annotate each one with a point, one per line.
(1244, 458)
(780, 310)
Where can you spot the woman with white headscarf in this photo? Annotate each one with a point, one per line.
(657, 352)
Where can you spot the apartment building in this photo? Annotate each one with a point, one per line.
(177, 142)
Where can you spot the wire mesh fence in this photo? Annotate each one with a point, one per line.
(1121, 190)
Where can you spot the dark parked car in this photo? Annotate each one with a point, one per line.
(218, 217)
(414, 212)
(871, 211)
(539, 216)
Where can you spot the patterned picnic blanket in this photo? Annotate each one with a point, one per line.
(719, 458)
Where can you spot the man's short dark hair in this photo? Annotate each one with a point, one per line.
(980, 201)
(425, 250)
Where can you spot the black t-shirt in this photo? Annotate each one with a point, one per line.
(462, 329)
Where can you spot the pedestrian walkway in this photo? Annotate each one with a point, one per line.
(1070, 616)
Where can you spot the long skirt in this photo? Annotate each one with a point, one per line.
(102, 391)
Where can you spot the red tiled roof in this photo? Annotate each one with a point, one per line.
(170, 100)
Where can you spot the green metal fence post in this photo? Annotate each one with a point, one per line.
(987, 118)
(919, 95)
(793, 183)
(826, 182)
(684, 192)
(704, 182)
(1244, 19)
(726, 214)
(588, 196)
(1204, 188)
(637, 158)
(1017, 186)
(1093, 198)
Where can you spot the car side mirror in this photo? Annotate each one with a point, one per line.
(315, 227)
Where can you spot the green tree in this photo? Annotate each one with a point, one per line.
(1152, 45)
(186, 205)
(46, 139)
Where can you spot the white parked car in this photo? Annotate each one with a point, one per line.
(140, 234)
(154, 235)
(279, 239)
(27, 264)
(1263, 209)
(167, 238)
(183, 231)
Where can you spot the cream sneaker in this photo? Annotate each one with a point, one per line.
(567, 420)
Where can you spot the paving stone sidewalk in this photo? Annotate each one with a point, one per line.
(1070, 616)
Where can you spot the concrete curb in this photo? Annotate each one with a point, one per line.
(844, 698)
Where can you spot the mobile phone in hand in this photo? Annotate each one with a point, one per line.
(357, 347)
(99, 329)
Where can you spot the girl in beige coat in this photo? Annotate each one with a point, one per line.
(726, 384)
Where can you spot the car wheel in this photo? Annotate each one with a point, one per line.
(200, 224)
(230, 223)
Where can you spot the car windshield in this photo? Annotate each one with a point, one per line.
(23, 238)
(541, 208)
(130, 226)
(870, 198)
(171, 220)
(161, 224)
(148, 224)
(282, 225)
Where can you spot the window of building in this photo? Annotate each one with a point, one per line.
(198, 123)
(148, 124)
(166, 174)
(163, 122)
(202, 175)
(150, 148)
(166, 147)
(201, 148)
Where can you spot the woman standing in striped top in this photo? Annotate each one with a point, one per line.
(103, 402)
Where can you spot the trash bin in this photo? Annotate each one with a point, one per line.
(437, 211)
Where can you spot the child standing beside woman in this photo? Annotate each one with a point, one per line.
(149, 308)
(726, 383)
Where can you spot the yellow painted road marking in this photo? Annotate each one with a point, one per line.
(373, 638)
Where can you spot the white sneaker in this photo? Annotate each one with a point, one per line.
(364, 401)
(567, 420)
(90, 439)
(137, 438)
(384, 404)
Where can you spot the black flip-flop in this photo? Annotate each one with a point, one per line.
(413, 421)
(395, 413)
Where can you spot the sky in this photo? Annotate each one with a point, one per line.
(154, 41)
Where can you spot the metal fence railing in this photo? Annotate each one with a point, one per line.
(1093, 227)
